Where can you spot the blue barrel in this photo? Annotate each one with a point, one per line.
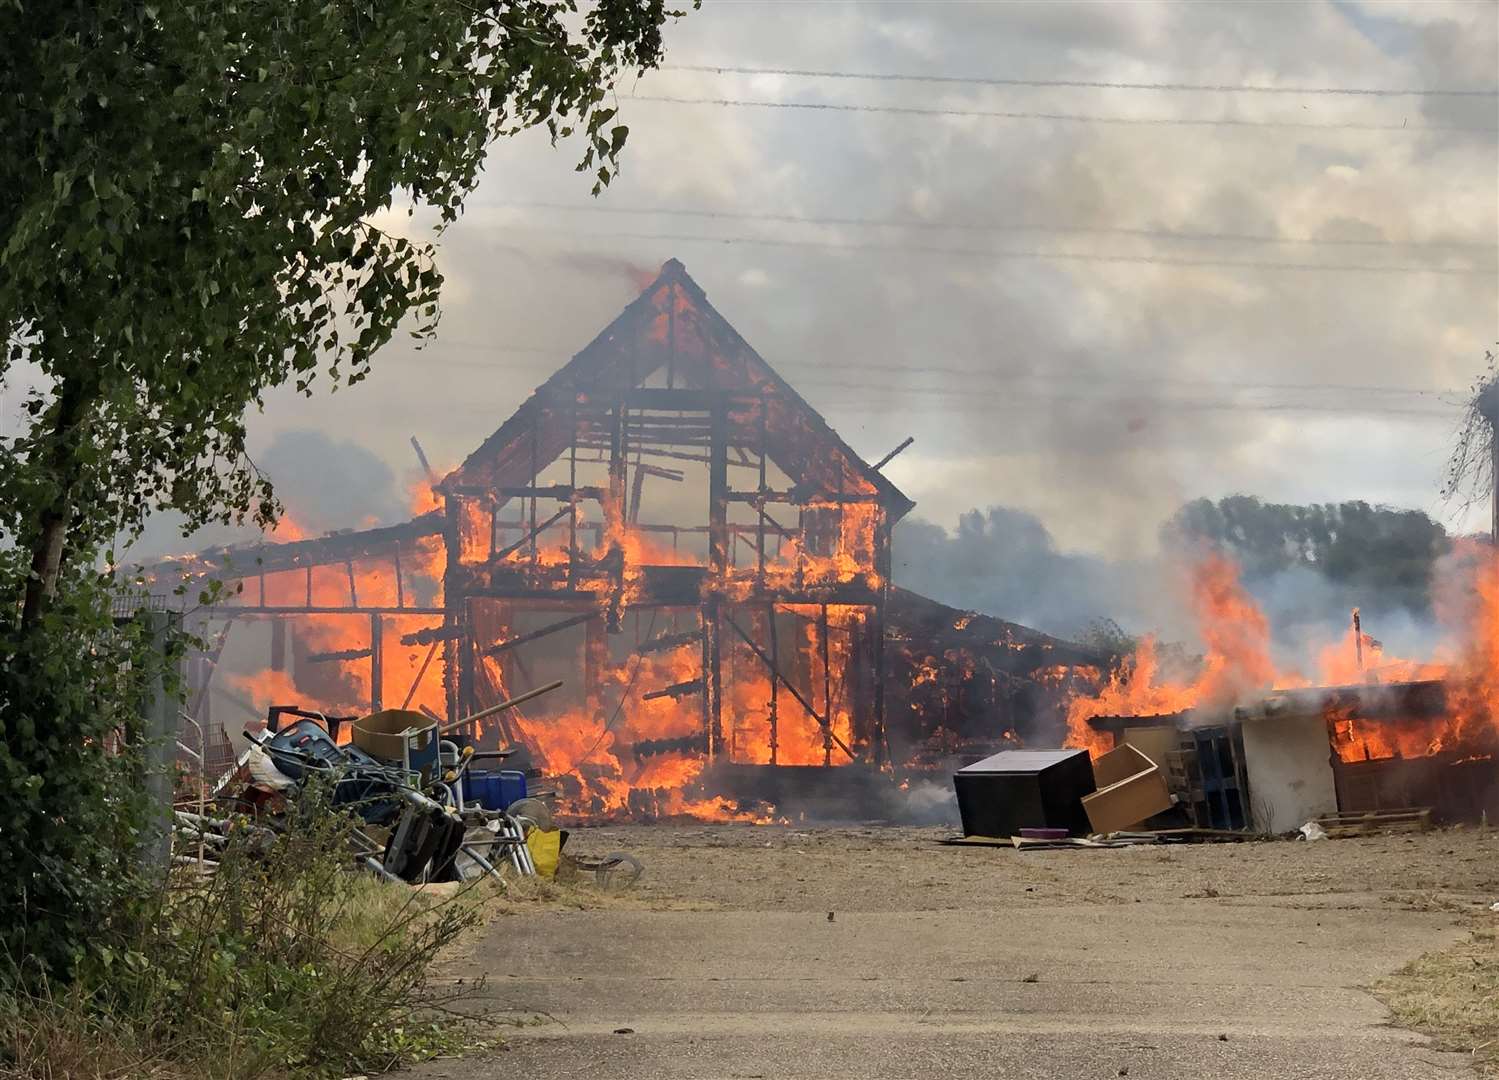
(511, 786)
(494, 790)
(476, 786)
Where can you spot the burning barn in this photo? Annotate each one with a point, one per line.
(671, 529)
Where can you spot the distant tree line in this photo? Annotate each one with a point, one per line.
(1305, 563)
(1383, 551)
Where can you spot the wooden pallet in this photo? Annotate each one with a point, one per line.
(1370, 822)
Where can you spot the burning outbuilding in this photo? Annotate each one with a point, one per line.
(1249, 744)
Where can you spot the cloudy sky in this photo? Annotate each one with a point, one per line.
(1092, 302)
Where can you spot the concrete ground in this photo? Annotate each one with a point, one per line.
(876, 953)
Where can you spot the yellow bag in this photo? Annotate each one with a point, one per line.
(546, 850)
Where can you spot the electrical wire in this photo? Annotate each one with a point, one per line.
(1001, 254)
(982, 80)
(1001, 227)
(1071, 118)
(1090, 377)
(990, 402)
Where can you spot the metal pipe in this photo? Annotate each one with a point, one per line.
(501, 707)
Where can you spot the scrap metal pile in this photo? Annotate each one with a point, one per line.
(421, 808)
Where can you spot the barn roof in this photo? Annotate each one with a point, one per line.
(670, 335)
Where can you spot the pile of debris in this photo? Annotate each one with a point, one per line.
(1051, 797)
(1273, 767)
(422, 808)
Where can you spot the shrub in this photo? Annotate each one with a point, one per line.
(283, 961)
(74, 803)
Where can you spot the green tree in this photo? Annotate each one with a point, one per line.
(186, 194)
(1386, 552)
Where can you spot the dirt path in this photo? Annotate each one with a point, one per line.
(1224, 961)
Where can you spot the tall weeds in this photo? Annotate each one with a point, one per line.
(282, 962)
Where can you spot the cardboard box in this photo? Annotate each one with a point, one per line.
(1130, 789)
(401, 737)
(1155, 742)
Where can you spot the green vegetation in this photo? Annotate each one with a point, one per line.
(1385, 552)
(282, 962)
(191, 217)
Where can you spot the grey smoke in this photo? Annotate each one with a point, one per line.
(325, 482)
(1005, 562)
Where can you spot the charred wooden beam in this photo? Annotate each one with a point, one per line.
(695, 743)
(505, 553)
(673, 455)
(760, 498)
(529, 491)
(670, 641)
(537, 635)
(647, 426)
(827, 688)
(421, 456)
(244, 562)
(342, 654)
(642, 470)
(420, 675)
(432, 634)
(253, 610)
(676, 691)
(815, 499)
(677, 400)
(400, 586)
(773, 662)
(888, 458)
(377, 665)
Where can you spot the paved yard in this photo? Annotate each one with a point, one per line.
(1206, 961)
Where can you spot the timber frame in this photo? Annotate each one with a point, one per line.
(546, 531)
(667, 387)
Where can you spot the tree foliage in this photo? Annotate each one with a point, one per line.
(191, 203)
(72, 805)
(190, 215)
(1386, 552)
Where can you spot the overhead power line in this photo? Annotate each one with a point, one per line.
(894, 394)
(967, 403)
(1073, 118)
(1103, 375)
(1001, 254)
(1003, 227)
(983, 80)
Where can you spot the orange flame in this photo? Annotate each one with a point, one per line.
(1237, 661)
(1237, 665)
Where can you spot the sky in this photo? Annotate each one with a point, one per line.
(1094, 307)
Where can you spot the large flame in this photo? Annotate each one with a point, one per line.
(636, 746)
(1237, 660)
(1237, 665)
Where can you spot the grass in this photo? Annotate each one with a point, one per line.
(1453, 996)
(281, 963)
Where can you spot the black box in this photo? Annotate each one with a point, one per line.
(1021, 789)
